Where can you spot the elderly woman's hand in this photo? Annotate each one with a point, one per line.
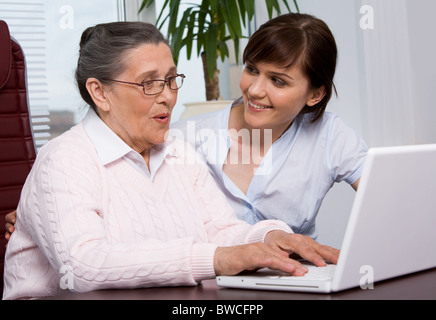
(274, 254)
(230, 261)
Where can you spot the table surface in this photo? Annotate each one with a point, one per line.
(418, 286)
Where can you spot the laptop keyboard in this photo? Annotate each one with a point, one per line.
(314, 273)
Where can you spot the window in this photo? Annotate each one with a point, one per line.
(49, 32)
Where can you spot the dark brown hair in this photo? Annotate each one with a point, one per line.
(102, 48)
(301, 39)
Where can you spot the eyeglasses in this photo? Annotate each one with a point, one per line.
(155, 87)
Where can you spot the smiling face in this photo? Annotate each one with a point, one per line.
(274, 96)
(140, 120)
(291, 63)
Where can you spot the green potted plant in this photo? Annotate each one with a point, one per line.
(211, 24)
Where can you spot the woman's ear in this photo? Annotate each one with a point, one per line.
(316, 96)
(98, 94)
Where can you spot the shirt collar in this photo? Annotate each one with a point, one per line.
(111, 147)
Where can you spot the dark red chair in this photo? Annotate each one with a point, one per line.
(17, 148)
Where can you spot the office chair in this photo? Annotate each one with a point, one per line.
(17, 148)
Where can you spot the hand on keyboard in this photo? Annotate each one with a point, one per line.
(304, 246)
(274, 254)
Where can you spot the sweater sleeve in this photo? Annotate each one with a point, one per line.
(222, 226)
(62, 210)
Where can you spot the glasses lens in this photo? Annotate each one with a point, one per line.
(153, 87)
(157, 86)
(176, 82)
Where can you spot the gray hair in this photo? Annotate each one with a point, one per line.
(102, 49)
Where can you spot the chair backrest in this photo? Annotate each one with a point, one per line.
(17, 148)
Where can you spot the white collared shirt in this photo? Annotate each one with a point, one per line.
(110, 147)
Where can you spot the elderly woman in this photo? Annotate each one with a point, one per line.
(110, 204)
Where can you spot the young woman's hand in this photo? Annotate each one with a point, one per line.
(304, 246)
(274, 254)
(11, 219)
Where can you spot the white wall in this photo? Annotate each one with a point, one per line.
(420, 14)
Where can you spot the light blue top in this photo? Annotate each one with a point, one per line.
(296, 173)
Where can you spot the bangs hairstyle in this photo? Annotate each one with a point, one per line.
(302, 40)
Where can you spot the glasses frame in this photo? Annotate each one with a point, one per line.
(167, 82)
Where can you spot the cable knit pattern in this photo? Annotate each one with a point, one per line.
(112, 227)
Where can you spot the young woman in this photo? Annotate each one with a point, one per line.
(275, 152)
(110, 204)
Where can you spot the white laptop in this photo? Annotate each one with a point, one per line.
(391, 230)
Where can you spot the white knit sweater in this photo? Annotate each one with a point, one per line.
(85, 226)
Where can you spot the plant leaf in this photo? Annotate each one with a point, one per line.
(177, 35)
(230, 13)
(161, 13)
(211, 49)
(296, 6)
(174, 14)
(250, 8)
(145, 4)
(223, 49)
